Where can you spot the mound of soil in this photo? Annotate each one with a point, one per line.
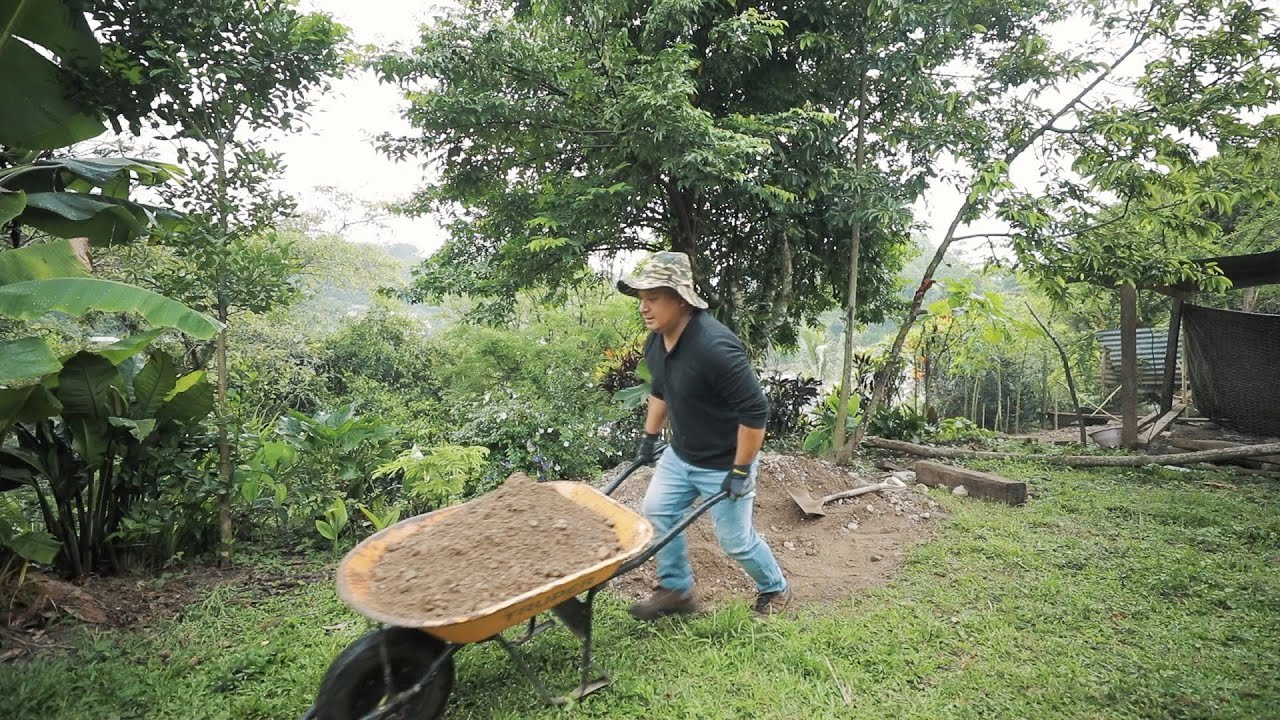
(496, 547)
(859, 544)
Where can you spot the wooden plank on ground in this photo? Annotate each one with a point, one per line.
(1194, 444)
(1164, 422)
(1147, 419)
(978, 484)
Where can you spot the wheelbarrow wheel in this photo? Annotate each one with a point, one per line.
(355, 684)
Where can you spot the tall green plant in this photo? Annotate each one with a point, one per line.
(82, 432)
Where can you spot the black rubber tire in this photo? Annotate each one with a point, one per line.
(354, 684)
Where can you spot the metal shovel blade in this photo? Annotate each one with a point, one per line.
(807, 502)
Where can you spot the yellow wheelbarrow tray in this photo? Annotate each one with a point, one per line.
(405, 668)
(356, 570)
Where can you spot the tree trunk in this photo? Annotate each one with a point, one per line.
(1066, 369)
(226, 480)
(1250, 301)
(844, 448)
(1231, 453)
(1129, 366)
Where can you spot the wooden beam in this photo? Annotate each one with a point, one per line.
(1171, 355)
(1081, 460)
(979, 484)
(1163, 423)
(1129, 366)
(1194, 444)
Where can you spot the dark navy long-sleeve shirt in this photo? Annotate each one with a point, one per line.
(709, 388)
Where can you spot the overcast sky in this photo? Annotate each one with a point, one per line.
(338, 149)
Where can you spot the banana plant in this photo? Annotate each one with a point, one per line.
(84, 201)
(84, 432)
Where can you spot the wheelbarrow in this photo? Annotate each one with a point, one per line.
(404, 669)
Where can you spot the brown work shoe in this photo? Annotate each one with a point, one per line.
(772, 603)
(664, 602)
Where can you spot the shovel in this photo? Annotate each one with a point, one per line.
(813, 506)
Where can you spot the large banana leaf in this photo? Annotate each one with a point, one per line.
(82, 174)
(54, 259)
(190, 401)
(58, 25)
(26, 358)
(36, 113)
(103, 219)
(76, 296)
(153, 384)
(90, 388)
(121, 350)
(32, 403)
(11, 204)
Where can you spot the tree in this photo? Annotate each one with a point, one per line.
(219, 76)
(1212, 67)
(564, 132)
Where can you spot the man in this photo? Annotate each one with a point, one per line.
(703, 383)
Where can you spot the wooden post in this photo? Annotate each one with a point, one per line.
(1129, 366)
(1171, 355)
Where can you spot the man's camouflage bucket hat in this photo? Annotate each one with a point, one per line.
(665, 269)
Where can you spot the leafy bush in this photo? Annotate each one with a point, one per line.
(821, 438)
(789, 400)
(900, 423)
(547, 437)
(438, 476)
(954, 429)
(100, 436)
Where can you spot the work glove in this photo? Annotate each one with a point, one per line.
(647, 453)
(738, 482)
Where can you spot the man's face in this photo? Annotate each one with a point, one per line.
(661, 308)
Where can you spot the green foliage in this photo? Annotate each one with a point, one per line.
(1135, 198)
(789, 401)
(77, 296)
(334, 523)
(380, 516)
(610, 127)
(900, 423)
(38, 115)
(819, 440)
(89, 439)
(438, 476)
(383, 361)
(955, 429)
(337, 449)
(20, 541)
(635, 396)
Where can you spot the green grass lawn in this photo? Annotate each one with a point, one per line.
(1113, 594)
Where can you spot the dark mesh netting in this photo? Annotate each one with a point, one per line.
(1233, 363)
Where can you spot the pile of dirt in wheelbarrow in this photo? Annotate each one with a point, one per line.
(500, 545)
(859, 544)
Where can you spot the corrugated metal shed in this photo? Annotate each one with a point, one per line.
(1151, 347)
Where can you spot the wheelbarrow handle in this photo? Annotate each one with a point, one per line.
(613, 484)
(671, 534)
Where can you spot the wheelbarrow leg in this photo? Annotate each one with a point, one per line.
(577, 616)
(517, 658)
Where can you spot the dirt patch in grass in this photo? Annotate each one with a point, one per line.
(39, 614)
(859, 544)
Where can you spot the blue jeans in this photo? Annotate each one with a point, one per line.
(672, 491)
